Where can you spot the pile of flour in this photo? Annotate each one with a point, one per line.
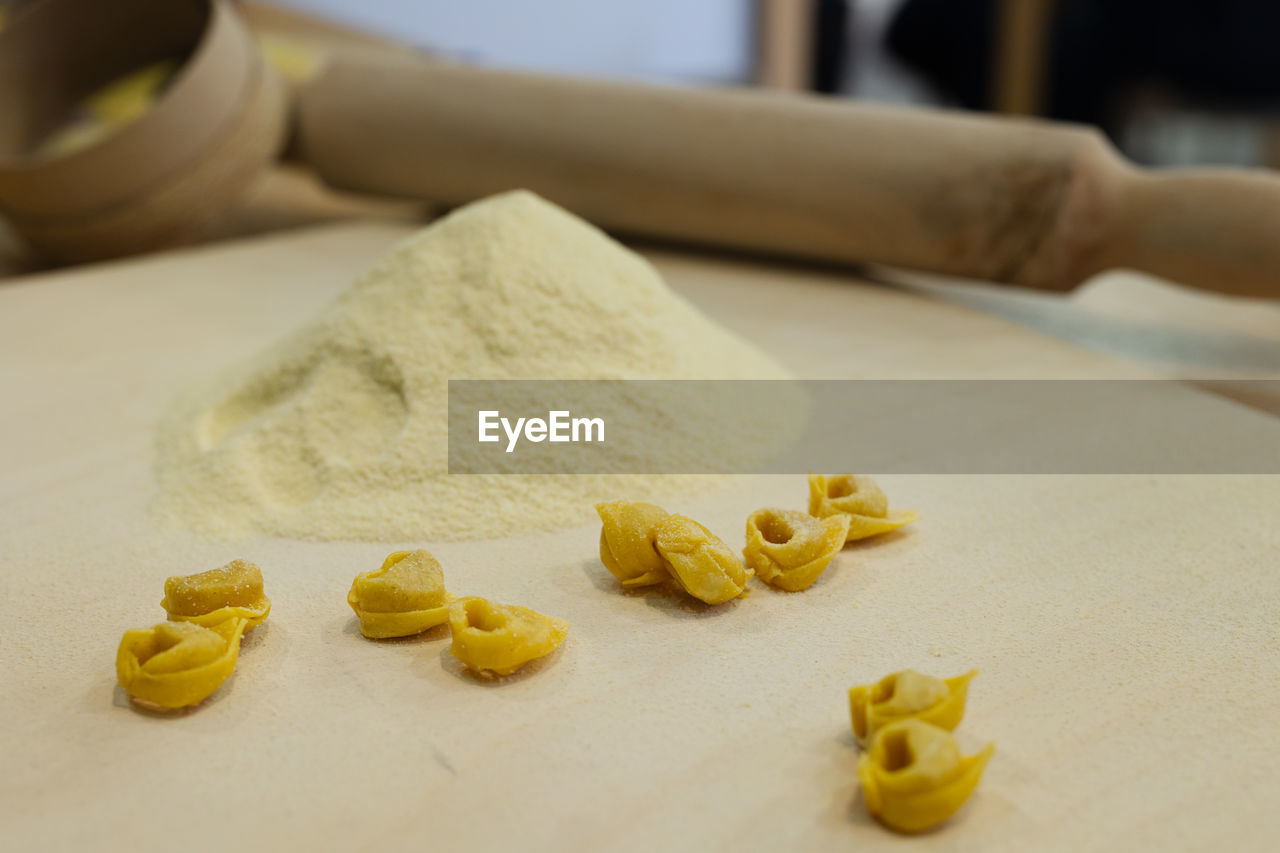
(339, 431)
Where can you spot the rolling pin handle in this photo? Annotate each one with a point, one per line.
(1217, 229)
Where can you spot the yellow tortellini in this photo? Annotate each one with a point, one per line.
(939, 702)
(914, 777)
(791, 549)
(861, 499)
(176, 664)
(627, 542)
(404, 597)
(208, 598)
(700, 562)
(501, 638)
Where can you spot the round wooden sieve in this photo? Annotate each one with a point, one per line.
(150, 182)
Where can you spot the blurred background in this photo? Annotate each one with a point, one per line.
(1172, 82)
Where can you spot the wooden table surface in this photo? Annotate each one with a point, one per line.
(1126, 628)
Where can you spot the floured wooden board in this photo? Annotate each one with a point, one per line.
(1126, 627)
(1173, 330)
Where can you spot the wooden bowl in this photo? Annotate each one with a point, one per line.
(151, 182)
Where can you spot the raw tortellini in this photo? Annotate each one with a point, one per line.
(207, 598)
(642, 544)
(701, 563)
(913, 776)
(182, 661)
(405, 596)
(908, 694)
(176, 664)
(790, 549)
(501, 638)
(627, 546)
(861, 499)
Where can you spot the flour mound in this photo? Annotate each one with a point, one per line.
(339, 431)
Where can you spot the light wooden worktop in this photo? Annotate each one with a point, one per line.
(1125, 627)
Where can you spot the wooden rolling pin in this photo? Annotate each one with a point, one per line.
(1031, 203)
(1026, 202)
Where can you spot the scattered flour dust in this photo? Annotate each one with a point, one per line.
(339, 430)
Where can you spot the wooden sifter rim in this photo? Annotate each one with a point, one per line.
(219, 122)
